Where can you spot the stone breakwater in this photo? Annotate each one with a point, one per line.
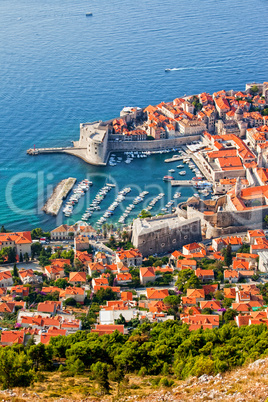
(54, 203)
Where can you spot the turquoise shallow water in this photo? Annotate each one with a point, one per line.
(59, 68)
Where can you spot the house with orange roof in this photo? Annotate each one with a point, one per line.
(242, 320)
(51, 289)
(235, 241)
(251, 258)
(130, 258)
(54, 272)
(191, 310)
(260, 244)
(210, 289)
(198, 294)
(242, 307)
(7, 308)
(123, 278)
(186, 264)
(21, 241)
(222, 105)
(163, 270)
(157, 306)
(28, 276)
(205, 275)
(76, 293)
(214, 305)
(126, 296)
(156, 294)
(191, 248)
(6, 279)
(60, 262)
(205, 321)
(188, 301)
(108, 329)
(99, 282)
(101, 258)
(77, 278)
(9, 338)
(229, 293)
(255, 234)
(71, 326)
(81, 243)
(240, 265)
(147, 274)
(39, 322)
(3, 292)
(51, 332)
(174, 257)
(109, 314)
(247, 274)
(83, 257)
(231, 275)
(219, 243)
(49, 307)
(96, 267)
(64, 232)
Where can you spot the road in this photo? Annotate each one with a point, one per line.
(20, 265)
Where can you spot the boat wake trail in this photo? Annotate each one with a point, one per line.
(192, 68)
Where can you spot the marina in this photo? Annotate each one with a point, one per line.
(77, 193)
(119, 207)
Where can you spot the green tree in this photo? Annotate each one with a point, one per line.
(144, 214)
(254, 89)
(172, 301)
(229, 315)
(3, 230)
(103, 295)
(36, 249)
(70, 302)
(15, 271)
(74, 365)
(61, 283)
(121, 320)
(8, 253)
(228, 255)
(21, 257)
(100, 374)
(15, 369)
(26, 257)
(79, 266)
(41, 356)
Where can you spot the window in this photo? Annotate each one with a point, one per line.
(162, 244)
(174, 241)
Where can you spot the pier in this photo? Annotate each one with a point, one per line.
(54, 203)
(182, 183)
(36, 151)
(175, 158)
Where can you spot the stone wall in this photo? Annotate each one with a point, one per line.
(165, 239)
(154, 145)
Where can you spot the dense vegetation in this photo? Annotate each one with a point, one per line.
(154, 349)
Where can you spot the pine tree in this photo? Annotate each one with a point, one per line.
(228, 255)
(15, 271)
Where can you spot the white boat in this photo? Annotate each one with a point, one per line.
(182, 173)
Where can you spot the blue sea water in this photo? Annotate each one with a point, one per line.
(60, 68)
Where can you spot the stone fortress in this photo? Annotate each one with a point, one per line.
(163, 234)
